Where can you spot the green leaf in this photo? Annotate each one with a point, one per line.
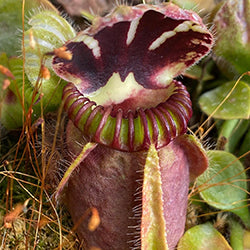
(224, 184)
(11, 22)
(236, 235)
(246, 240)
(196, 72)
(203, 237)
(231, 23)
(186, 4)
(197, 5)
(245, 147)
(153, 232)
(50, 31)
(237, 106)
(11, 111)
(233, 131)
(11, 108)
(3, 62)
(80, 158)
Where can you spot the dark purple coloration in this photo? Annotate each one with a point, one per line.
(117, 56)
(111, 181)
(106, 180)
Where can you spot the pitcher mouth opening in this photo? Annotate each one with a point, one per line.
(130, 130)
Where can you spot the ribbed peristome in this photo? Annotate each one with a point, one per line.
(133, 131)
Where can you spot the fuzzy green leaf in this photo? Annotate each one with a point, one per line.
(224, 184)
(233, 131)
(11, 108)
(84, 153)
(11, 22)
(50, 31)
(203, 237)
(153, 232)
(237, 106)
(236, 235)
(232, 23)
